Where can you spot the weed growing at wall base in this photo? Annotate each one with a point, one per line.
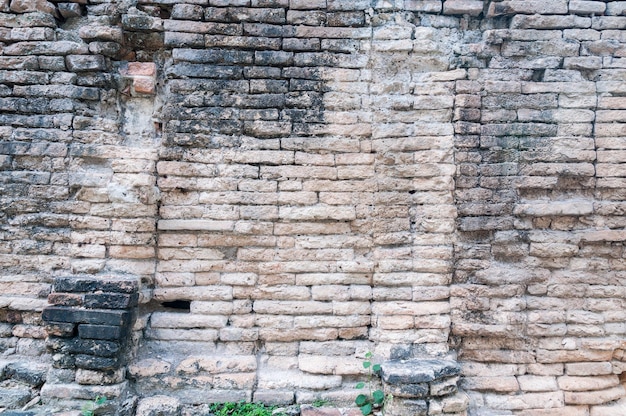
(242, 409)
(375, 398)
(89, 408)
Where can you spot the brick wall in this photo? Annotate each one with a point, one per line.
(294, 183)
(537, 297)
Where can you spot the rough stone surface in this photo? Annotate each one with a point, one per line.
(267, 190)
(158, 406)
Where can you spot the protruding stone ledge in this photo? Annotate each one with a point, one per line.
(89, 323)
(423, 387)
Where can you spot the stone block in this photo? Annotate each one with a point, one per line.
(103, 332)
(588, 369)
(274, 397)
(617, 408)
(85, 63)
(491, 383)
(14, 398)
(91, 362)
(308, 410)
(52, 392)
(101, 348)
(92, 316)
(429, 6)
(409, 407)
(187, 12)
(141, 22)
(587, 7)
(65, 299)
(28, 6)
(158, 406)
(587, 383)
(89, 285)
(444, 387)
(69, 10)
(148, 367)
(537, 383)
(418, 371)
(103, 33)
(525, 401)
(91, 377)
(31, 374)
(110, 300)
(469, 7)
(597, 397)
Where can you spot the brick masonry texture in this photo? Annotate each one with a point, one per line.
(289, 184)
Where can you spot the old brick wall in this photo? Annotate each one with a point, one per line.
(538, 292)
(294, 183)
(306, 212)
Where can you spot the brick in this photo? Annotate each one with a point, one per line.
(110, 300)
(86, 285)
(537, 383)
(587, 7)
(430, 6)
(469, 7)
(550, 22)
(97, 317)
(99, 348)
(587, 383)
(25, 6)
(60, 329)
(180, 320)
(45, 48)
(104, 332)
(595, 397)
(65, 299)
(525, 401)
(90, 362)
(69, 10)
(559, 411)
(187, 12)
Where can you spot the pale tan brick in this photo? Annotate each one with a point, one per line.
(595, 397)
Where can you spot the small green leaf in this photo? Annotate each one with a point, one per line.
(361, 400)
(87, 409)
(368, 355)
(366, 410)
(101, 400)
(366, 364)
(379, 397)
(376, 368)
(360, 385)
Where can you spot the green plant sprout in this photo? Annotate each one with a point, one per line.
(374, 398)
(321, 403)
(89, 408)
(241, 409)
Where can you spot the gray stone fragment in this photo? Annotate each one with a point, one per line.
(158, 406)
(13, 398)
(32, 374)
(69, 10)
(418, 371)
(79, 63)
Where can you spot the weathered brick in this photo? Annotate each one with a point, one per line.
(99, 348)
(97, 317)
(24, 6)
(103, 332)
(110, 300)
(86, 285)
(470, 7)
